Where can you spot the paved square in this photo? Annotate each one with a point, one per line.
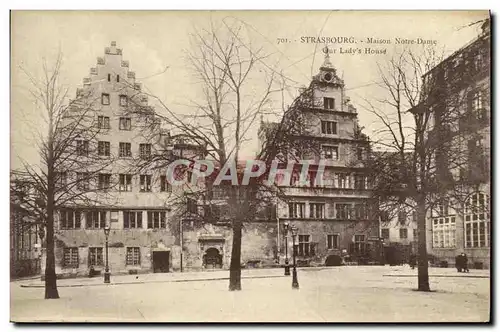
(333, 294)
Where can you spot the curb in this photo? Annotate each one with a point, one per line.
(149, 282)
(437, 276)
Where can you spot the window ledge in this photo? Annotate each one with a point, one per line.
(475, 248)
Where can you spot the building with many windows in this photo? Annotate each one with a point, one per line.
(463, 225)
(333, 216)
(154, 226)
(131, 200)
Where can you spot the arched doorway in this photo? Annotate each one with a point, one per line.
(212, 259)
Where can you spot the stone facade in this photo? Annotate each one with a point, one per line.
(464, 226)
(167, 239)
(333, 218)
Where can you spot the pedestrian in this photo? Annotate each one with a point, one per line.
(413, 261)
(458, 263)
(465, 262)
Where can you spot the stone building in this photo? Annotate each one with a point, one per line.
(334, 216)
(152, 228)
(463, 225)
(25, 244)
(398, 231)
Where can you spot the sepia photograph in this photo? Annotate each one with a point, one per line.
(250, 166)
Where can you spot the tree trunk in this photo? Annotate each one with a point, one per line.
(50, 263)
(235, 267)
(423, 265)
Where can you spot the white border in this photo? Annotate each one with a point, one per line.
(148, 4)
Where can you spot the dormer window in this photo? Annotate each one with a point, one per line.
(329, 103)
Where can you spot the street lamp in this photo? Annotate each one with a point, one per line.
(107, 229)
(295, 283)
(285, 231)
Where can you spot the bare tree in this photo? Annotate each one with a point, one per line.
(236, 90)
(71, 160)
(421, 154)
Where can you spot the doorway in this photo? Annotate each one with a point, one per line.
(212, 259)
(161, 261)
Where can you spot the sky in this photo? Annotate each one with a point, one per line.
(156, 43)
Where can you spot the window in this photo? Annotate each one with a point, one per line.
(82, 148)
(212, 212)
(145, 151)
(478, 61)
(132, 219)
(343, 211)
(403, 233)
(477, 222)
(359, 181)
(69, 219)
(443, 232)
(157, 219)
(191, 206)
(95, 219)
(295, 178)
(329, 127)
(317, 210)
(330, 152)
(125, 123)
(118, 78)
(304, 246)
(125, 150)
(145, 182)
(359, 244)
(103, 148)
(414, 216)
(402, 217)
(332, 241)
(164, 185)
(296, 210)
(133, 256)
(83, 181)
(359, 153)
(105, 97)
(361, 211)
(109, 77)
(123, 100)
(359, 238)
(95, 256)
(104, 181)
(477, 105)
(384, 215)
(61, 179)
(71, 257)
(384, 233)
(442, 209)
(125, 182)
(415, 234)
(103, 122)
(343, 180)
(329, 103)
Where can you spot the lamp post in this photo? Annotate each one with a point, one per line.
(295, 283)
(285, 231)
(107, 229)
